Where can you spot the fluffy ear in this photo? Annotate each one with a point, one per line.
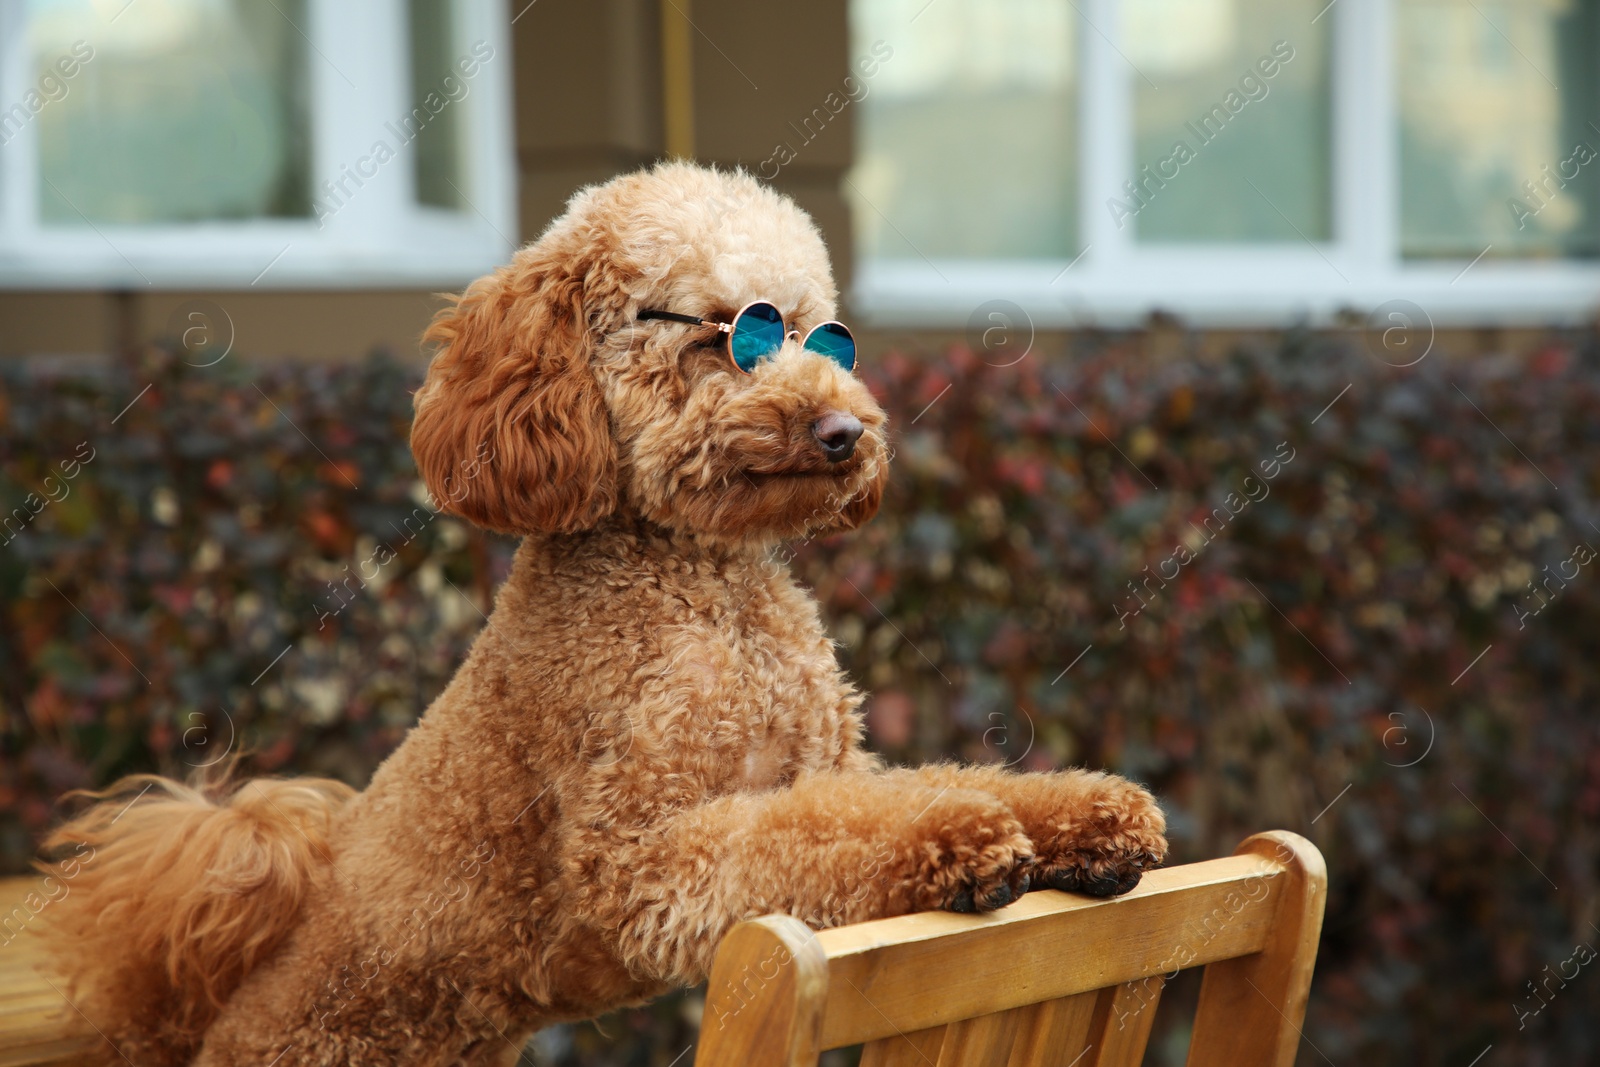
(511, 431)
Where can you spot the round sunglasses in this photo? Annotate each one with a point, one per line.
(758, 331)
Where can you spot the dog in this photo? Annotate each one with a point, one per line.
(650, 740)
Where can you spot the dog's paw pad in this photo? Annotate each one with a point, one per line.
(1107, 852)
(970, 855)
(971, 899)
(998, 876)
(1095, 876)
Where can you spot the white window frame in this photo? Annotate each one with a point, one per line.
(1117, 281)
(358, 62)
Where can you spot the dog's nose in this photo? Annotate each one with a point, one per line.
(837, 432)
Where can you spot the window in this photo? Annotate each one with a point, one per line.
(1493, 109)
(1257, 173)
(253, 142)
(1232, 161)
(957, 105)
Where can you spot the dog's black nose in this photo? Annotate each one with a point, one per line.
(837, 432)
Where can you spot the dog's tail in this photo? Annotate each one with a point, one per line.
(164, 896)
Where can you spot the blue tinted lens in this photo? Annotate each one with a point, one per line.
(834, 341)
(757, 334)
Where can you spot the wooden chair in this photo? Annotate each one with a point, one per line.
(1054, 980)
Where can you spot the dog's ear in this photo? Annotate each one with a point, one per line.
(511, 431)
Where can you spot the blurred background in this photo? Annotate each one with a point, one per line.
(1241, 355)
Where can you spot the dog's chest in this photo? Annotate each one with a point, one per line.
(753, 693)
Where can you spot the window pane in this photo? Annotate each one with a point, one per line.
(968, 129)
(188, 110)
(1496, 146)
(436, 87)
(1231, 120)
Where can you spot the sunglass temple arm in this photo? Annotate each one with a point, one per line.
(692, 320)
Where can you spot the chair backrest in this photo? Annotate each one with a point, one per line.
(1054, 980)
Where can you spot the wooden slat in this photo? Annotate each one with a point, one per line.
(51, 1052)
(764, 1001)
(1122, 1023)
(919, 1049)
(37, 1026)
(1046, 946)
(981, 1042)
(1056, 1033)
(1102, 1028)
(1251, 1008)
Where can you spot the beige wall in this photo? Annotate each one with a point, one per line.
(758, 66)
(589, 104)
(277, 325)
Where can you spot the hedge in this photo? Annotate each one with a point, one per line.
(1294, 587)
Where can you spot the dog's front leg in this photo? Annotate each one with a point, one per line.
(837, 847)
(1094, 833)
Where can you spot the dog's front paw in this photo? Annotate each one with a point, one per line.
(1104, 848)
(969, 854)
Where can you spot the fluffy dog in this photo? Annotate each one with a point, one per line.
(651, 739)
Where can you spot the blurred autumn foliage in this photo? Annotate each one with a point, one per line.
(1291, 588)
(205, 581)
